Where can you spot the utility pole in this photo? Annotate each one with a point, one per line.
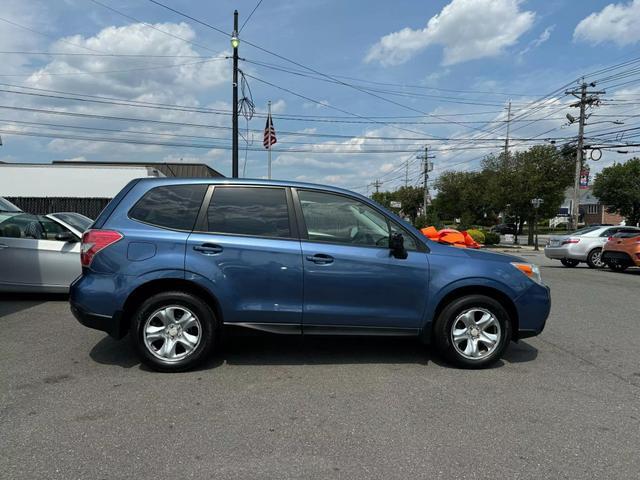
(270, 146)
(406, 174)
(427, 166)
(234, 145)
(377, 184)
(586, 98)
(506, 140)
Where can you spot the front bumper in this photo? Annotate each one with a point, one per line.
(564, 251)
(533, 308)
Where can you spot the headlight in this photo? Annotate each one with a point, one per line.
(530, 270)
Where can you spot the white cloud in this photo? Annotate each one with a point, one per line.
(467, 29)
(542, 38)
(133, 76)
(617, 22)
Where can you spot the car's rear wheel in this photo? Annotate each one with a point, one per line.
(594, 259)
(618, 267)
(569, 262)
(473, 331)
(173, 331)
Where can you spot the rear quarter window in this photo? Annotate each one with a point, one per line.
(172, 206)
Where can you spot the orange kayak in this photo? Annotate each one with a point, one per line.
(450, 236)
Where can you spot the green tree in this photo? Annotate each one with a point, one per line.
(465, 195)
(410, 198)
(618, 187)
(507, 185)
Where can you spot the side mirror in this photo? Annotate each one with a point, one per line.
(66, 237)
(396, 246)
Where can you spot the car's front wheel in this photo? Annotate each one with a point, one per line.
(173, 331)
(473, 331)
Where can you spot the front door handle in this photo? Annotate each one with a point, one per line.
(320, 258)
(208, 249)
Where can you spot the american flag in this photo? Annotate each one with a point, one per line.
(269, 133)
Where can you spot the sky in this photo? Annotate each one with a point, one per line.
(358, 88)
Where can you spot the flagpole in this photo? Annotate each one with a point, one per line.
(270, 146)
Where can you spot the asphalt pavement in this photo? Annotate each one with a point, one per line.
(565, 405)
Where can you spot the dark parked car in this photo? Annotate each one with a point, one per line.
(172, 260)
(504, 228)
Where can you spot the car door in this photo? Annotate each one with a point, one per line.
(247, 250)
(59, 253)
(351, 282)
(18, 253)
(32, 257)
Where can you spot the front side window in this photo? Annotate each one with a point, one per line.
(173, 206)
(338, 219)
(22, 225)
(49, 229)
(255, 211)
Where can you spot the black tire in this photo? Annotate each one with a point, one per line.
(569, 262)
(207, 331)
(594, 259)
(618, 267)
(442, 330)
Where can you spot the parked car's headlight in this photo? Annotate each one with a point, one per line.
(530, 270)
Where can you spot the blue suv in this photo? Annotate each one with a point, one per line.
(171, 261)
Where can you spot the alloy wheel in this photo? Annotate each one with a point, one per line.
(172, 333)
(476, 333)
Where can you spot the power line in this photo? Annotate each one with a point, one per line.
(114, 10)
(47, 35)
(99, 72)
(250, 15)
(75, 54)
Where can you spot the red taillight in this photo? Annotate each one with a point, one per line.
(609, 239)
(570, 240)
(95, 240)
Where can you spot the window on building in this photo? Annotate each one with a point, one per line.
(255, 211)
(592, 209)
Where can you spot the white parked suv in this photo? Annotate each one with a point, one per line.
(584, 245)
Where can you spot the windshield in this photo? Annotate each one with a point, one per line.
(75, 220)
(584, 230)
(7, 206)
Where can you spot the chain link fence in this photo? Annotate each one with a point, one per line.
(89, 207)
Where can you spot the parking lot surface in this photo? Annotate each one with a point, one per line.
(76, 404)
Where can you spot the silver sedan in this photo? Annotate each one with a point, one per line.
(40, 253)
(584, 245)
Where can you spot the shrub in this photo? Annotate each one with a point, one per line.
(491, 238)
(477, 235)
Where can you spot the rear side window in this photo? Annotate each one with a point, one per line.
(174, 206)
(255, 211)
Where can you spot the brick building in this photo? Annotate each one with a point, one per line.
(591, 210)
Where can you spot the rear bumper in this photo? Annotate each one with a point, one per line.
(564, 251)
(94, 308)
(111, 325)
(622, 258)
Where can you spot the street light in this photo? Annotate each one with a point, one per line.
(536, 202)
(235, 41)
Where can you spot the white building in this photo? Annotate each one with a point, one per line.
(83, 187)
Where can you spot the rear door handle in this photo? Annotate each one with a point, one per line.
(320, 258)
(208, 249)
